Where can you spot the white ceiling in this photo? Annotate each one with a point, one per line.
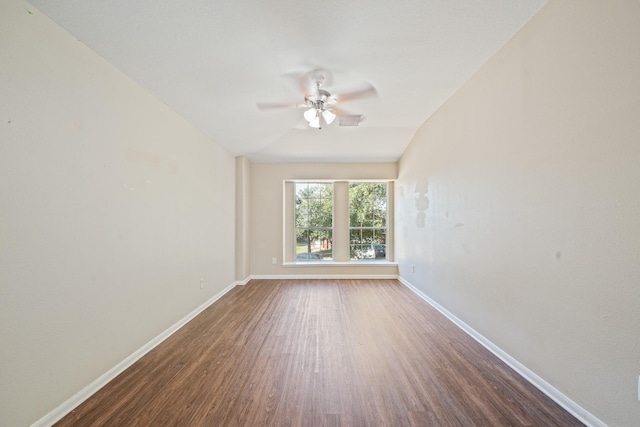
(212, 60)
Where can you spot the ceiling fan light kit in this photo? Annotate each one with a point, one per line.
(317, 115)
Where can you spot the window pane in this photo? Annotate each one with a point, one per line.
(380, 251)
(368, 220)
(367, 203)
(362, 252)
(314, 245)
(354, 235)
(379, 219)
(314, 221)
(379, 236)
(302, 216)
(366, 236)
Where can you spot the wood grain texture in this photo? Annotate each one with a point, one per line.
(319, 353)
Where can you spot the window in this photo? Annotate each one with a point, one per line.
(313, 221)
(337, 222)
(368, 220)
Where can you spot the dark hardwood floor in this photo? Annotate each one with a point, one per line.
(319, 353)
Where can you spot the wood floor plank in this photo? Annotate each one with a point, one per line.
(319, 353)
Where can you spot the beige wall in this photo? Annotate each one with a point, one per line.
(266, 225)
(112, 208)
(518, 202)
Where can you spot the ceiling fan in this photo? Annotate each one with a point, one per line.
(321, 104)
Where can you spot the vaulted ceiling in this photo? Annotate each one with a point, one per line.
(211, 61)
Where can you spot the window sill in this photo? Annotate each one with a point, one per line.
(340, 264)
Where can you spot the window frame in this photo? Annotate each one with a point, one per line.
(385, 229)
(340, 224)
(308, 228)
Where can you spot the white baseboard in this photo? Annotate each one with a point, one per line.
(326, 276)
(71, 403)
(557, 396)
(242, 282)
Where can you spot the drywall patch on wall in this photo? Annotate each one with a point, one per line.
(422, 202)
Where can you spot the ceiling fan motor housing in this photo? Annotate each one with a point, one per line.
(321, 97)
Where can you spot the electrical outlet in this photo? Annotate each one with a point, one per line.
(274, 260)
(413, 268)
(201, 283)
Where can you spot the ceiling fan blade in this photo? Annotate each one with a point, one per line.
(339, 112)
(364, 91)
(278, 105)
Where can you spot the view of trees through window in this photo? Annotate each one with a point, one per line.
(314, 221)
(368, 220)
